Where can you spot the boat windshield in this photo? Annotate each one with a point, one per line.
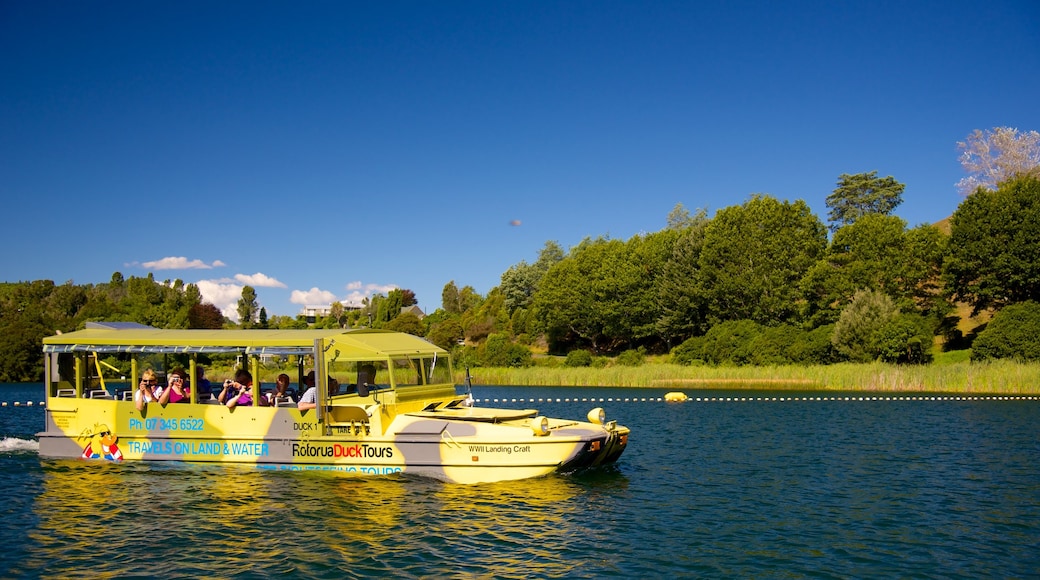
(400, 372)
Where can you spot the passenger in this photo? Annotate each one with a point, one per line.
(281, 390)
(237, 393)
(177, 391)
(309, 399)
(146, 390)
(205, 388)
(366, 378)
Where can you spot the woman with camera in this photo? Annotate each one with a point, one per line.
(177, 391)
(146, 390)
(239, 392)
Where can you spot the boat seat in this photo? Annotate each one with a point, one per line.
(66, 392)
(128, 395)
(99, 394)
(284, 402)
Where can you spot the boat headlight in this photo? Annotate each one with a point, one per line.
(597, 416)
(540, 426)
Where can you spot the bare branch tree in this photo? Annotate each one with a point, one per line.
(993, 156)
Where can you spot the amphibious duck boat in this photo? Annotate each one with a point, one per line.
(408, 418)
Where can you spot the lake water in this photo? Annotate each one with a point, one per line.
(737, 485)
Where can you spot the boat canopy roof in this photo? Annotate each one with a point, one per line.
(360, 343)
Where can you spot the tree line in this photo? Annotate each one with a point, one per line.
(763, 282)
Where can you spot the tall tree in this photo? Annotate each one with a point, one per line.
(450, 298)
(603, 295)
(754, 256)
(863, 194)
(408, 298)
(520, 282)
(205, 315)
(679, 218)
(879, 253)
(994, 244)
(680, 295)
(996, 155)
(247, 307)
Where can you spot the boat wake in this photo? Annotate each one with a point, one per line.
(16, 445)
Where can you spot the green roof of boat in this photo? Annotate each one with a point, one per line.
(358, 342)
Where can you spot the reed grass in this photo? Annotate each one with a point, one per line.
(998, 377)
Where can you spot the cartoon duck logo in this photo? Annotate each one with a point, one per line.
(102, 445)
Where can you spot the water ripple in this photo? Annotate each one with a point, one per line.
(792, 490)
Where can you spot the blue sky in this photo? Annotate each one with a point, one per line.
(323, 151)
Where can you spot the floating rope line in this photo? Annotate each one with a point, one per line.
(708, 399)
(685, 399)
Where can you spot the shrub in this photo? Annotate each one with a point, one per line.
(632, 358)
(906, 338)
(578, 358)
(1013, 333)
(499, 351)
(855, 332)
(731, 342)
(690, 352)
(814, 347)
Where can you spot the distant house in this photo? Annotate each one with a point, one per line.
(414, 309)
(313, 313)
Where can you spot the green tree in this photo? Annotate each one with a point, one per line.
(683, 310)
(446, 333)
(863, 194)
(450, 298)
(1013, 333)
(499, 351)
(753, 257)
(247, 307)
(856, 332)
(485, 317)
(993, 247)
(905, 338)
(407, 322)
(876, 252)
(603, 294)
(520, 282)
(680, 218)
(338, 313)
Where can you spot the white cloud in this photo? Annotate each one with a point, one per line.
(222, 294)
(180, 263)
(358, 292)
(259, 280)
(312, 297)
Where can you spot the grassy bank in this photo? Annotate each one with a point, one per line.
(1000, 377)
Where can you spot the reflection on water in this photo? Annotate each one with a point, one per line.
(794, 489)
(109, 520)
